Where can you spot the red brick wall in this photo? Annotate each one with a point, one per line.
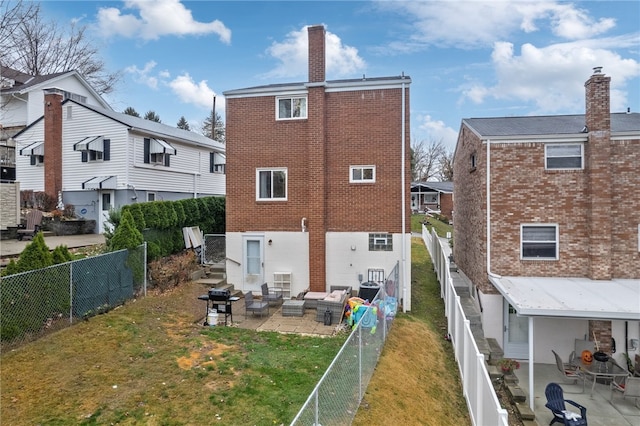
(446, 205)
(470, 215)
(53, 144)
(316, 53)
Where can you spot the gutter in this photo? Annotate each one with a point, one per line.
(403, 201)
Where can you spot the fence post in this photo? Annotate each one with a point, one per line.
(144, 262)
(71, 293)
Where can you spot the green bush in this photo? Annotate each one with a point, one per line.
(126, 236)
(138, 216)
(61, 254)
(36, 255)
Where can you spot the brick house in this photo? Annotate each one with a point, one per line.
(318, 180)
(436, 196)
(547, 224)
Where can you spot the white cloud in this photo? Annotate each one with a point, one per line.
(472, 24)
(552, 77)
(155, 19)
(190, 92)
(292, 53)
(436, 130)
(144, 75)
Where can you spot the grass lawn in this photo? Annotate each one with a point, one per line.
(150, 363)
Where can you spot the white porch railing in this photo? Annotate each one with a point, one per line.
(482, 401)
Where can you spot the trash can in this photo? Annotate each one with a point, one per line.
(368, 291)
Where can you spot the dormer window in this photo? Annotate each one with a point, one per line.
(93, 148)
(291, 107)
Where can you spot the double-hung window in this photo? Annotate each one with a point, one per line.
(539, 241)
(291, 107)
(271, 184)
(362, 174)
(93, 148)
(157, 151)
(217, 162)
(564, 156)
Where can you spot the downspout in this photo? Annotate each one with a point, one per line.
(404, 207)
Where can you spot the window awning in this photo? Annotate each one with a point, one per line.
(158, 146)
(219, 158)
(36, 148)
(93, 143)
(572, 297)
(101, 182)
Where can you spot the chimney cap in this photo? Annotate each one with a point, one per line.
(597, 70)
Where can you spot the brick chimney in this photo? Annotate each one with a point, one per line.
(316, 122)
(598, 168)
(316, 53)
(52, 142)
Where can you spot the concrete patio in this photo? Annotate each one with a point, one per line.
(600, 410)
(275, 321)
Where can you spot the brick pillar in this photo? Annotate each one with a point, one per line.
(317, 225)
(598, 167)
(316, 54)
(52, 143)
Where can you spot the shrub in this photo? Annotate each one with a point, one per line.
(61, 254)
(138, 216)
(36, 255)
(126, 236)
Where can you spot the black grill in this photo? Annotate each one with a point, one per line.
(219, 294)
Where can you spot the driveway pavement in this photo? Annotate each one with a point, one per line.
(10, 248)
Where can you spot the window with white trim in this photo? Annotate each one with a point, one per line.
(271, 184)
(217, 162)
(362, 174)
(380, 242)
(564, 156)
(539, 242)
(291, 108)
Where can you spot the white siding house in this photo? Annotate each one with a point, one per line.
(110, 159)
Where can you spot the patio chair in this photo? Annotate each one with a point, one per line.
(270, 296)
(556, 403)
(628, 386)
(34, 219)
(569, 371)
(253, 306)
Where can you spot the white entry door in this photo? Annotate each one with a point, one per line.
(106, 204)
(516, 333)
(253, 256)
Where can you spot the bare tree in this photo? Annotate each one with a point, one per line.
(446, 166)
(38, 47)
(13, 13)
(425, 159)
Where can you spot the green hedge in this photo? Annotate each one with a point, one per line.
(161, 222)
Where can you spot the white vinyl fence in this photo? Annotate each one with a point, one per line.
(482, 401)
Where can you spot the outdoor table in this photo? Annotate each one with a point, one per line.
(599, 369)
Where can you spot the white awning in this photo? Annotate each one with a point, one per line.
(219, 158)
(101, 182)
(36, 148)
(93, 143)
(158, 146)
(572, 297)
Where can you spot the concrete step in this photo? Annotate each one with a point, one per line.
(470, 311)
(516, 392)
(526, 414)
(213, 282)
(496, 351)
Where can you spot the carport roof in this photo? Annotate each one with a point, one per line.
(572, 297)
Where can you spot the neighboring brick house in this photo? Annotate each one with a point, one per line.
(547, 224)
(318, 180)
(438, 196)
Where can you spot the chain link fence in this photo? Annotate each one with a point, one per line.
(337, 396)
(214, 249)
(38, 302)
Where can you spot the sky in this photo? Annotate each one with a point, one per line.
(466, 59)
